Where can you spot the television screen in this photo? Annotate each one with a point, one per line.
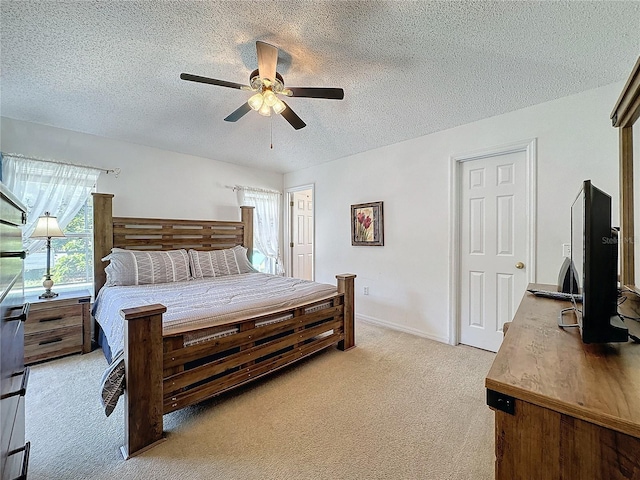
(594, 255)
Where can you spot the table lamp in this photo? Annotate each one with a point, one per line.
(47, 227)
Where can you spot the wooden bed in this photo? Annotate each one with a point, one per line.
(162, 375)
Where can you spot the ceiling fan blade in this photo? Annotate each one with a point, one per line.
(238, 113)
(319, 92)
(267, 61)
(291, 117)
(213, 81)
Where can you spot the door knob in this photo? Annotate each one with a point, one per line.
(520, 265)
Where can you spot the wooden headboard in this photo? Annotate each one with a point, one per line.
(161, 234)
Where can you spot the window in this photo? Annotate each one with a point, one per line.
(64, 190)
(266, 227)
(261, 263)
(71, 256)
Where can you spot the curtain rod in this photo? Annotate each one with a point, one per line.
(116, 171)
(254, 189)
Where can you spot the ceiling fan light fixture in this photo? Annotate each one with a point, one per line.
(265, 110)
(279, 106)
(270, 98)
(266, 85)
(256, 101)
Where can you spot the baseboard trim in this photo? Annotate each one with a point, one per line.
(400, 328)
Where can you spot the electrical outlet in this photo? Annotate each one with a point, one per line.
(566, 250)
(366, 290)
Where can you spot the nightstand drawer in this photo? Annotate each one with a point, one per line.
(45, 319)
(51, 343)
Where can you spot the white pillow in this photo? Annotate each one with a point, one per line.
(141, 267)
(218, 263)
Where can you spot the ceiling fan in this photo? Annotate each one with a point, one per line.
(269, 86)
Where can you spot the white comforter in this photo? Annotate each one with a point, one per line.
(197, 304)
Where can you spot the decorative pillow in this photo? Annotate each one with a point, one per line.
(218, 263)
(140, 267)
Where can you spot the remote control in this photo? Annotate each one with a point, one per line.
(556, 295)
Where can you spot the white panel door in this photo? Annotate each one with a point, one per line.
(302, 235)
(493, 246)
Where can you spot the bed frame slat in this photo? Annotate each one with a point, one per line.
(171, 230)
(172, 243)
(118, 221)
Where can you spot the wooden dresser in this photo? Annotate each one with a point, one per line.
(564, 409)
(14, 452)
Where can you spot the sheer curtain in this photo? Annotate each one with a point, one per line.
(266, 226)
(57, 188)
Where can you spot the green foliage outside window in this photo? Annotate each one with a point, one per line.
(71, 256)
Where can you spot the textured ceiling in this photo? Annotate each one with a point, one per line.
(112, 68)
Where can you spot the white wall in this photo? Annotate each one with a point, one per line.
(152, 182)
(408, 277)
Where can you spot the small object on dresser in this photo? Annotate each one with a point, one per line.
(555, 295)
(567, 277)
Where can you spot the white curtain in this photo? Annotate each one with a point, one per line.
(266, 226)
(57, 188)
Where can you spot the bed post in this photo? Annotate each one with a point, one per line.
(247, 220)
(346, 283)
(102, 236)
(143, 400)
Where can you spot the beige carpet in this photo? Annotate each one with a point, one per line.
(395, 407)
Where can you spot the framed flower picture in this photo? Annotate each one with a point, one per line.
(367, 224)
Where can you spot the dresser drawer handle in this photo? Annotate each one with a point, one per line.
(53, 340)
(23, 385)
(52, 319)
(25, 460)
(21, 255)
(22, 316)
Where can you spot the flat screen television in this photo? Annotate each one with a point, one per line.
(594, 256)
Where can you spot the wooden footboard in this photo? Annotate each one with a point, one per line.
(163, 375)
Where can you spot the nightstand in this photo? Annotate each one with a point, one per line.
(57, 326)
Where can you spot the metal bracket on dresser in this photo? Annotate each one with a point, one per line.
(22, 316)
(25, 460)
(21, 255)
(23, 385)
(501, 402)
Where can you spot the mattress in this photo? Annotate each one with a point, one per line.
(203, 308)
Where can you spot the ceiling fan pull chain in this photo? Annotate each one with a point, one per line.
(271, 123)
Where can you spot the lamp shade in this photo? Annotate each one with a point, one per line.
(279, 106)
(255, 102)
(46, 227)
(270, 98)
(265, 110)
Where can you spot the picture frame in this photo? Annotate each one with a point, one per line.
(367, 224)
